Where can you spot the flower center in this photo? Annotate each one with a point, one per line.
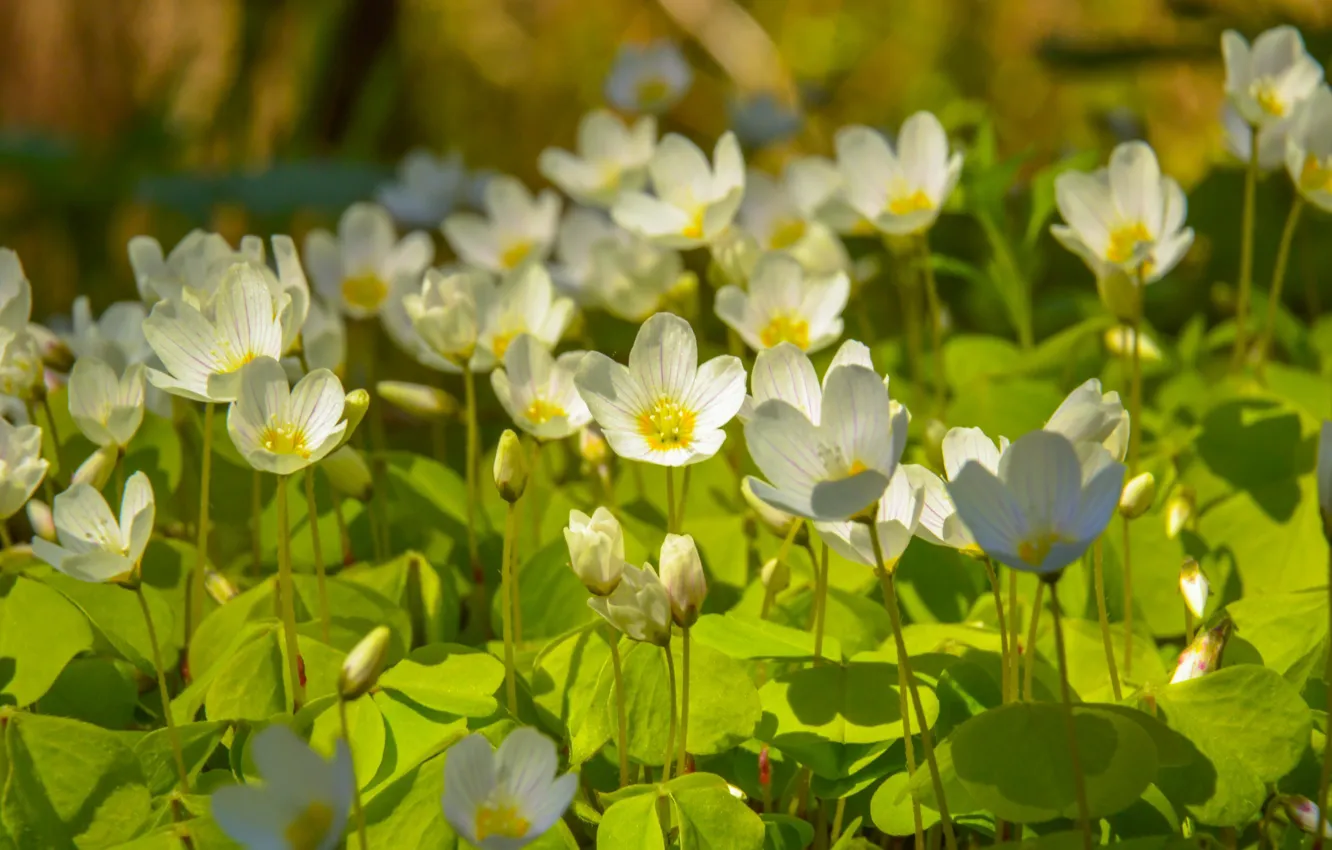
(905, 202)
(1034, 549)
(309, 829)
(1265, 94)
(786, 327)
(694, 229)
(500, 342)
(513, 255)
(667, 425)
(540, 411)
(787, 233)
(285, 439)
(500, 820)
(231, 360)
(1124, 241)
(651, 91)
(365, 291)
(1316, 176)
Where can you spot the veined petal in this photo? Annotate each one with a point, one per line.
(844, 497)
(717, 392)
(990, 513)
(611, 393)
(785, 446)
(550, 806)
(251, 816)
(469, 780)
(1099, 499)
(664, 359)
(850, 353)
(138, 510)
(856, 418)
(91, 383)
(1042, 472)
(525, 763)
(785, 373)
(316, 405)
(1135, 183)
(961, 445)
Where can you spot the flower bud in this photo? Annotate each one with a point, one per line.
(778, 522)
(1138, 494)
(682, 575)
(1119, 293)
(776, 576)
(421, 401)
(640, 607)
(361, 668)
(97, 469)
(596, 550)
(41, 519)
(1119, 342)
(219, 586)
(1202, 655)
(1193, 587)
(510, 467)
(56, 353)
(1303, 812)
(1178, 512)
(348, 473)
(592, 444)
(358, 402)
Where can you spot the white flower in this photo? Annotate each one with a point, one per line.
(783, 304)
(15, 293)
(1271, 138)
(290, 281)
(204, 347)
(303, 802)
(108, 408)
(93, 546)
(1044, 507)
(426, 188)
(596, 549)
(832, 453)
(1121, 339)
(1267, 81)
(194, 267)
(897, 519)
(22, 371)
(639, 606)
(648, 78)
(366, 265)
(283, 429)
(1125, 217)
(693, 203)
(939, 522)
(524, 303)
(116, 337)
(507, 798)
(1309, 149)
(663, 408)
(817, 186)
(785, 372)
(537, 390)
(783, 216)
(682, 576)
(611, 158)
(1089, 416)
(901, 191)
(446, 316)
(604, 266)
(518, 229)
(22, 467)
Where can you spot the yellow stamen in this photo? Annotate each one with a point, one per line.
(500, 342)
(909, 202)
(1268, 98)
(285, 438)
(540, 411)
(310, 827)
(366, 291)
(787, 233)
(694, 229)
(1316, 176)
(232, 360)
(513, 255)
(1124, 241)
(651, 91)
(501, 820)
(786, 327)
(1034, 550)
(667, 425)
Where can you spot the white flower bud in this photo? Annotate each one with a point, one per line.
(219, 586)
(1303, 812)
(1178, 512)
(349, 474)
(1193, 587)
(421, 401)
(778, 522)
(362, 666)
(353, 410)
(776, 576)
(97, 469)
(640, 606)
(510, 467)
(1138, 495)
(41, 519)
(596, 550)
(682, 575)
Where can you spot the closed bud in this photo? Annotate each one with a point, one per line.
(97, 469)
(1119, 293)
(510, 467)
(776, 576)
(358, 402)
(1120, 340)
(1138, 495)
(348, 473)
(1178, 512)
(41, 519)
(778, 522)
(592, 445)
(56, 353)
(361, 669)
(421, 401)
(1201, 656)
(219, 586)
(1303, 812)
(596, 550)
(640, 607)
(682, 575)
(1193, 587)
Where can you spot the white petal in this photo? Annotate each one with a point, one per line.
(1042, 472)
(1135, 182)
(84, 521)
(664, 358)
(786, 373)
(990, 513)
(966, 444)
(138, 510)
(718, 391)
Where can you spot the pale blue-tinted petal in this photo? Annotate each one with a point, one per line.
(251, 817)
(992, 515)
(1042, 472)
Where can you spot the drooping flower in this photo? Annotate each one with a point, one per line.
(1044, 507)
(517, 230)
(426, 188)
(93, 545)
(596, 550)
(900, 190)
(303, 802)
(537, 389)
(648, 77)
(22, 466)
(283, 429)
(784, 215)
(1266, 81)
(692, 203)
(612, 157)
(365, 265)
(663, 408)
(1088, 415)
(193, 268)
(639, 606)
(1309, 149)
(107, 408)
(897, 520)
(784, 304)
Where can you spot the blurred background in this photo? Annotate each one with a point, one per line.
(264, 116)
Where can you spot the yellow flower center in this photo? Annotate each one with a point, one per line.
(500, 820)
(366, 291)
(786, 327)
(310, 827)
(501, 342)
(285, 438)
(511, 256)
(694, 229)
(667, 425)
(1124, 241)
(540, 411)
(1034, 550)
(233, 360)
(908, 202)
(787, 233)
(1267, 97)
(1316, 176)
(651, 91)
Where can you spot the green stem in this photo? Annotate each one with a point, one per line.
(904, 670)
(356, 784)
(936, 323)
(622, 724)
(6, 540)
(670, 499)
(1278, 279)
(1028, 674)
(507, 600)
(684, 497)
(1128, 600)
(288, 592)
(670, 735)
(1015, 624)
(120, 475)
(684, 705)
(1007, 685)
(1321, 799)
(909, 746)
(1246, 255)
(256, 522)
(313, 513)
(1099, 576)
(344, 534)
(820, 602)
(173, 735)
(196, 609)
(838, 814)
(1079, 785)
(469, 386)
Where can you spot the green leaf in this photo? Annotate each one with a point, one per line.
(747, 638)
(1088, 674)
(1289, 630)
(709, 818)
(412, 582)
(631, 824)
(40, 631)
(365, 728)
(413, 734)
(448, 677)
(222, 631)
(891, 809)
(786, 832)
(564, 680)
(251, 683)
(155, 753)
(116, 617)
(95, 690)
(407, 814)
(552, 599)
(1006, 407)
(971, 357)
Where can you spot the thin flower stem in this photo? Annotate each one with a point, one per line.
(1016, 625)
(256, 522)
(670, 735)
(1099, 576)
(1278, 279)
(1028, 674)
(1128, 600)
(312, 510)
(904, 670)
(1326, 775)
(1246, 255)
(1007, 686)
(838, 814)
(469, 386)
(684, 497)
(288, 592)
(820, 602)
(196, 608)
(51, 424)
(120, 475)
(670, 499)
(506, 587)
(909, 747)
(173, 735)
(684, 704)
(344, 534)
(1079, 785)
(621, 724)
(356, 783)
(936, 322)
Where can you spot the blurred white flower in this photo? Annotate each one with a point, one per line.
(784, 304)
(596, 550)
(1088, 415)
(693, 202)
(324, 338)
(106, 407)
(763, 118)
(939, 522)
(15, 293)
(22, 372)
(1120, 339)
(648, 77)
(1309, 149)
(817, 186)
(783, 216)
(639, 606)
(611, 158)
(116, 337)
(93, 545)
(663, 408)
(537, 390)
(524, 303)
(1271, 138)
(425, 189)
(194, 267)
(447, 314)
(22, 466)
(420, 400)
(1267, 80)
(366, 265)
(604, 266)
(899, 190)
(282, 429)
(518, 229)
